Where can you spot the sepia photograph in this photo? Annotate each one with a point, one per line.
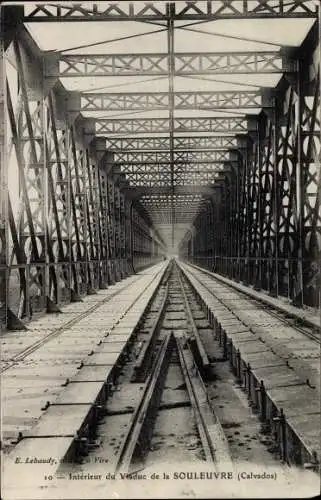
(160, 249)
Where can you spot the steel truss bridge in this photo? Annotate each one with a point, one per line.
(138, 129)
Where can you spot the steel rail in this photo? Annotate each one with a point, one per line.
(131, 439)
(199, 343)
(211, 432)
(34, 347)
(208, 446)
(272, 309)
(214, 443)
(145, 356)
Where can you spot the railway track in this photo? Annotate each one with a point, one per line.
(185, 392)
(174, 353)
(290, 319)
(58, 331)
(166, 404)
(32, 386)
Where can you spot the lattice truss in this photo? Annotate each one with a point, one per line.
(157, 64)
(159, 207)
(212, 150)
(26, 243)
(65, 219)
(160, 101)
(156, 175)
(161, 125)
(270, 235)
(226, 141)
(147, 143)
(220, 9)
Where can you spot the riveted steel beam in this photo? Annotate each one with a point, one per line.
(185, 63)
(171, 102)
(163, 143)
(164, 156)
(138, 192)
(233, 124)
(159, 11)
(139, 101)
(160, 169)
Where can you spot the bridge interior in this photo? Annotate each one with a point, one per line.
(132, 131)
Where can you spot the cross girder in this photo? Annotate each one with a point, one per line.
(179, 167)
(140, 191)
(161, 125)
(205, 63)
(163, 143)
(208, 10)
(164, 156)
(140, 101)
(217, 157)
(163, 177)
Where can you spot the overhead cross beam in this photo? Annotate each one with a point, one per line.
(163, 143)
(186, 210)
(185, 63)
(158, 200)
(233, 124)
(162, 168)
(141, 101)
(186, 169)
(138, 192)
(206, 10)
(171, 102)
(178, 156)
(186, 207)
(164, 176)
(179, 179)
(182, 182)
(129, 167)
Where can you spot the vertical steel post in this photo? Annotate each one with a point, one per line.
(259, 222)
(299, 191)
(238, 221)
(4, 256)
(247, 228)
(45, 193)
(276, 204)
(171, 70)
(319, 36)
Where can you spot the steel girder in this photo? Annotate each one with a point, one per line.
(146, 244)
(267, 226)
(140, 191)
(3, 195)
(136, 157)
(184, 213)
(209, 10)
(63, 220)
(161, 125)
(205, 63)
(181, 174)
(161, 143)
(163, 168)
(141, 101)
(182, 196)
(189, 179)
(27, 251)
(264, 228)
(159, 168)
